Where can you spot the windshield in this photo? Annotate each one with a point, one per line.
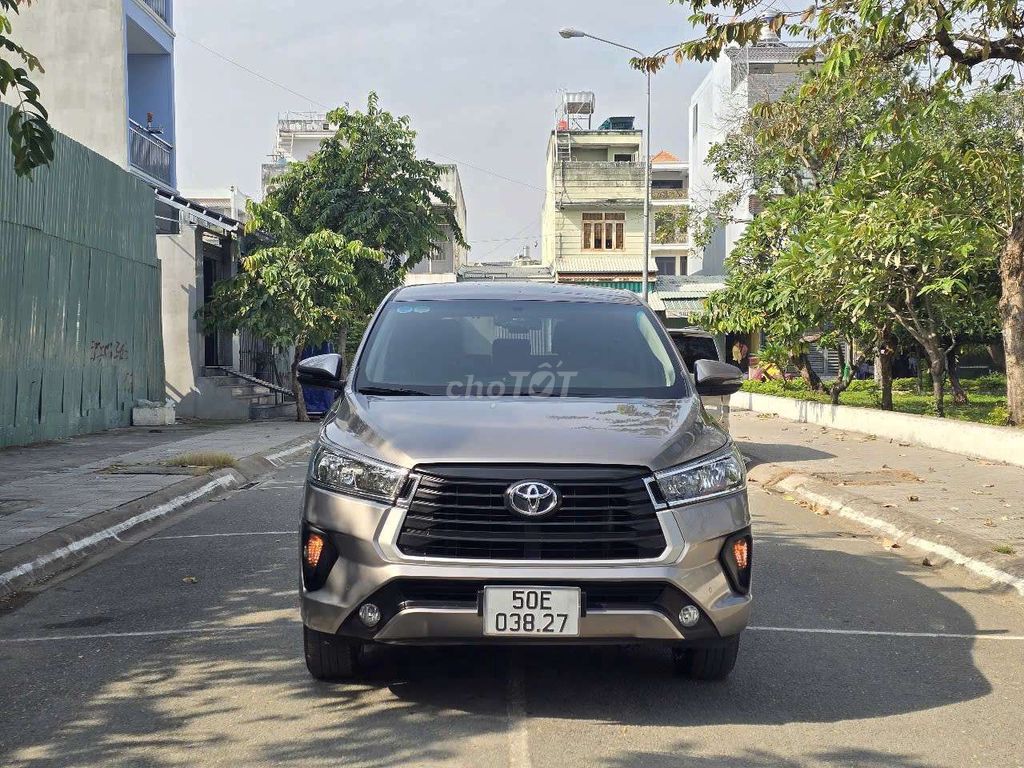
(694, 348)
(515, 348)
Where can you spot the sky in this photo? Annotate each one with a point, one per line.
(481, 81)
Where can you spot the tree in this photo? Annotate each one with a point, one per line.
(897, 235)
(959, 42)
(366, 184)
(298, 291)
(778, 154)
(30, 134)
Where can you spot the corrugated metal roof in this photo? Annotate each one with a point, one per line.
(603, 265)
(682, 308)
(688, 286)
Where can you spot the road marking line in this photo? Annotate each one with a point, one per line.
(276, 458)
(518, 735)
(883, 633)
(151, 633)
(114, 531)
(219, 535)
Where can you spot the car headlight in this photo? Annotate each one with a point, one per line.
(705, 479)
(356, 475)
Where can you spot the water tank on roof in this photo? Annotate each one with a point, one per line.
(579, 103)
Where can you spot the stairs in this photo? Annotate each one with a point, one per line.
(266, 401)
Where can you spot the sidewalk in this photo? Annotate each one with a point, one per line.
(59, 501)
(969, 511)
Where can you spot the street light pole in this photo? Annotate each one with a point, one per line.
(647, 196)
(569, 33)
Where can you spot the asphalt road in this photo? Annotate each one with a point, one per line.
(185, 649)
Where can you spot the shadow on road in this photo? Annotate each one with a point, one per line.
(780, 453)
(243, 697)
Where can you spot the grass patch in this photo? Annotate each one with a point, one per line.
(986, 406)
(1004, 549)
(208, 459)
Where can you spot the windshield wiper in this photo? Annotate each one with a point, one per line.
(392, 391)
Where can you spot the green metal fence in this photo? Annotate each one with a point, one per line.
(80, 336)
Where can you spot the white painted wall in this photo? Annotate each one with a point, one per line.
(981, 441)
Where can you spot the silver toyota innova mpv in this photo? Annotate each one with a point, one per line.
(527, 464)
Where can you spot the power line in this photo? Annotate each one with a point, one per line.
(314, 102)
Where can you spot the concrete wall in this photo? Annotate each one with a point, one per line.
(196, 395)
(1004, 444)
(82, 47)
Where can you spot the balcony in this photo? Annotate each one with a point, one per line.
(150, 154)
(668, 194)
(159, 7)
(582, 182)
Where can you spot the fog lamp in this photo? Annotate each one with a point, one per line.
(369, 614)
(741, 553)
(689, 615)
(314, 549)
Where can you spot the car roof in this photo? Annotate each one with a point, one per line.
(512, 291)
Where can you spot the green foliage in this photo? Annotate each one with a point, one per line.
(367, 184)
(955, 39)
(671, 224)
(299, 291)
(28, 127)
(985, 408)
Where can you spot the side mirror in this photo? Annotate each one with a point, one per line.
(322, 371)
(715, 378)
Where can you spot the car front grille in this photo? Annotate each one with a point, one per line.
(458, 512)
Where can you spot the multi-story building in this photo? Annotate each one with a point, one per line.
(592, 229)
(741, 78)
(109, 80)
(448, 255)
(299, 135)
(670, 234)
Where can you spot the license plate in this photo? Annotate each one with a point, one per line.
(532, 611)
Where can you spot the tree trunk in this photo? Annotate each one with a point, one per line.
(1011, 309)
(997, 352)
(342, 350)
(807, 373)
(953, 368)
(937, 367)
(883, 374)
(300, 400)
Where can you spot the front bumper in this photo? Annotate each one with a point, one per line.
(369, 568)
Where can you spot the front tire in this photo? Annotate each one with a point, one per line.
(329, 657)
(711, 662)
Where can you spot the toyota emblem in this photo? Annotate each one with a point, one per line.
(532, 498)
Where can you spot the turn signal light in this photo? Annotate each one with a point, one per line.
(741, 553)
(314, 549)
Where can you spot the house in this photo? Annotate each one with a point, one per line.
(125, 111)
(299, 135)
(109, 83)
(448, 256)
(592, 228)
(670, 235)
(739, 79)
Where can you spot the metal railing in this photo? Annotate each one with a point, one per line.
(149, 154)
(159, 7)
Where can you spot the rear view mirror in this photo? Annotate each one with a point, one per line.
(322, 371)
(715, 378)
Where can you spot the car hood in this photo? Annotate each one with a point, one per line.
(409, 431)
